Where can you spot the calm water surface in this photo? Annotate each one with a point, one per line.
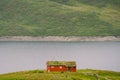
(18, 56)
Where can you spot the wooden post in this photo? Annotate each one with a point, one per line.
(67, 73)
(96, 76)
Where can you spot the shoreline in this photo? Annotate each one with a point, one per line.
(59, 38)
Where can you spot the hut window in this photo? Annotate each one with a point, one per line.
(60, 67)
(52, 66)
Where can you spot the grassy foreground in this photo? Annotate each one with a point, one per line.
(87, 74)
(59, 18)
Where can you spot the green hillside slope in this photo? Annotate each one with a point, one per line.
(59, 18)
(79, 75)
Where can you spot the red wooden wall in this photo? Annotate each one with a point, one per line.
(60, 69)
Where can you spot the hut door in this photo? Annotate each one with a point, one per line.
(68, 68)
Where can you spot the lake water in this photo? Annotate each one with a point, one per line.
(19, 56)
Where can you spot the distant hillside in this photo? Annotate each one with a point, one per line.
(79, 75)
(59, 17)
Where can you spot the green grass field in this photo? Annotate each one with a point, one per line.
(86, 74)
(59, 18)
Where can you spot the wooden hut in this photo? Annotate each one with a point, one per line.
(61, 66)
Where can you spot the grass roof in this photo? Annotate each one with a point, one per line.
(66, 63)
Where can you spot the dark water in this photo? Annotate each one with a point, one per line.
(18, 56)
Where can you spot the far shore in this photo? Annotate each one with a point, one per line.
(60, 38)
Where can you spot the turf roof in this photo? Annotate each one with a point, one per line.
(66, 63)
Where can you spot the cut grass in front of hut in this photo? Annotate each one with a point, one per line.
(87, 74)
